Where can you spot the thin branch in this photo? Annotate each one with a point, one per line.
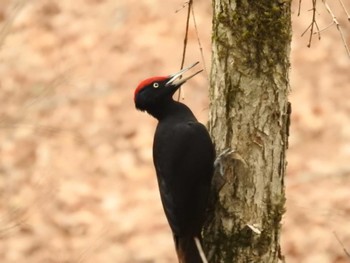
(312, 25)
(346, 11)
(14, 219)
(199, 44)
(182, 7)
(341, 244)
(324, 29)
(94, 245)
(335, 21)
(299, 7)
(5, 30)
(185, 40)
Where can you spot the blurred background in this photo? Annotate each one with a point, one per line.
(77, 183)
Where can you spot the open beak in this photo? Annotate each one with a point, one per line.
(178, 75)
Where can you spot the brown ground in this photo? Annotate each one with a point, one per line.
(76, 176)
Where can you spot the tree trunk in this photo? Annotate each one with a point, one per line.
(249, 114)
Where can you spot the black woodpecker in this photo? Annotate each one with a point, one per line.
(183, 156)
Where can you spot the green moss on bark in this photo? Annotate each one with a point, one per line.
(259, 28)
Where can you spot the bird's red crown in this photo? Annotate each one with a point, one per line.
(147, 82)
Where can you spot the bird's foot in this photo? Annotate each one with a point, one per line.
(218, 163)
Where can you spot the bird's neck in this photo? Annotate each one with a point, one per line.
(171, 110)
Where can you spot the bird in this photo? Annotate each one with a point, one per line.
(183, 157)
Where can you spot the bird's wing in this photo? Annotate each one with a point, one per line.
(183, 158)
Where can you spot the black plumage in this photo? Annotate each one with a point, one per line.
(183, 156)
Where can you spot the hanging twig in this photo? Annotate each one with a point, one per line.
(189, 3)
(341, 243)
(189, 11)
(335, 21)
(312, 24)
(324, 29)
(344, 8)
(182, 7)
(5, 29)
(199, 44)
(299, 7)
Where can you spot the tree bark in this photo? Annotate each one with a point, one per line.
(249, 115)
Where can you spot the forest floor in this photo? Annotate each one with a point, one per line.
(76, 177)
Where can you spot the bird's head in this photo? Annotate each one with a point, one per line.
(153, 92)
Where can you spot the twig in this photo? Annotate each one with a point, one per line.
(335, 21)
(342, 245)
(346, 11)
(182, 7)
(185, 40)
(312, 24)
(324, 29)
(94, 245)
(15, 218)
(299, 7)
(4, 31)
(199, 43)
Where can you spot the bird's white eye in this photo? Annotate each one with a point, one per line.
(155, 85)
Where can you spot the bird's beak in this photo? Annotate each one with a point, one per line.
(178, 75)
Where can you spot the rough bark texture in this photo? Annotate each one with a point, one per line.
(249, 114)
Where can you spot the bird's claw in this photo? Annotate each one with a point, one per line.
(220, 158)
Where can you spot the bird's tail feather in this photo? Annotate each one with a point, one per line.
(187, 250)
